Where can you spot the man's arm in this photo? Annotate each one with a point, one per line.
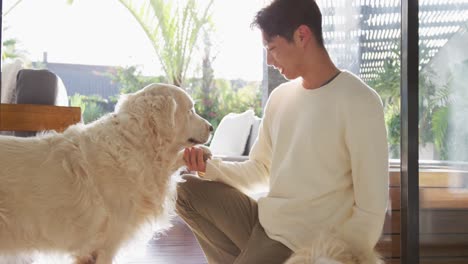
(366, 139)
(247, 176)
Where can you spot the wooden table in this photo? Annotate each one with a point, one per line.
(28, 117)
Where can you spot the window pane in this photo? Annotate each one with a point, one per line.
(443, 123)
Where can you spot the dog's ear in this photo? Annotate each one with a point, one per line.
(162, 111)
(150, 109)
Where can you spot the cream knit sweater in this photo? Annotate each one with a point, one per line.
(323, 155)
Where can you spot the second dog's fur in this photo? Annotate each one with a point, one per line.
(330, 248)
(87, 190)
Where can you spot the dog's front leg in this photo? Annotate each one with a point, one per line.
(105, 257)
(179, 161)
(90, 259)
(99, 256)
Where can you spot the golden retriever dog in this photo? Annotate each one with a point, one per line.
(329, 248)
(88, 190)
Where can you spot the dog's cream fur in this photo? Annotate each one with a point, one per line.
(87, 190)
(330, 248)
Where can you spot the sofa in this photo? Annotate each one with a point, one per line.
(22, 88)
(235, 136)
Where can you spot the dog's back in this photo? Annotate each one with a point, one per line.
(73, 191)
(39, 196)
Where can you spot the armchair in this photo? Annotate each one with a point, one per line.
(38, 102)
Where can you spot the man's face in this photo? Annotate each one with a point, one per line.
(285, 56)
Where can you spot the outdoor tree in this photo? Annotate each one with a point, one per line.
(173, 28)
(436, 106)
(130, 79)
(206, 94)
(10, 50)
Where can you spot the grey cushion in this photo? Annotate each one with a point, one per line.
(35, 87)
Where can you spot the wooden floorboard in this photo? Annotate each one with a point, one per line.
(176, 246)
(179, 246)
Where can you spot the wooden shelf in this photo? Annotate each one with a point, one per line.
(28, 117)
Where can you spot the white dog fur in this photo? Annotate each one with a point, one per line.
(330, 248)
(87, 190)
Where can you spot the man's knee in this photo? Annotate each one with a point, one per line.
(185, 191)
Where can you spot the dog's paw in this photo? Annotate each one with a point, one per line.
(206, 152)
(180, 162)
(89, 259)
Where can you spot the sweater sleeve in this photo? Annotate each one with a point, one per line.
(366, 140)
(251, 175)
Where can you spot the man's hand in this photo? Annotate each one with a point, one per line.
(195, 158)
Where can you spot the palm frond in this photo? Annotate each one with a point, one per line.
(173, 28)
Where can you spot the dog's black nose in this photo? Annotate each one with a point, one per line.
(211, 128)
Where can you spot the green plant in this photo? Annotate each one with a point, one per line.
(92, 107)
(387, 82)
(435, 104)
(216, 97)
(392, 120)
(450, 120)
(173, 28)
(223, 99)
(387, 85)
(10, 51)
(77, 100)
(440, 124)
(93, 112)
(131, 80)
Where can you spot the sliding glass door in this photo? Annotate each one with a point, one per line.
(443, 131)
(415, 55)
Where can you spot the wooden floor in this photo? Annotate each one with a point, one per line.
(176, 246)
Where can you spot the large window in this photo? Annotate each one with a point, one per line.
(365, 37)
(443, 130)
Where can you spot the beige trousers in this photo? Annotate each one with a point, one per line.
(225, 223)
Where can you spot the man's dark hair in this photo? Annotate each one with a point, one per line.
(283, 17)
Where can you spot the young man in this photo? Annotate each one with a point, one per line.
(321, 150)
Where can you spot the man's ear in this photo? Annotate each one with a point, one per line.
(303, 35)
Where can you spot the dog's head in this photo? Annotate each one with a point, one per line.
(169, 111)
